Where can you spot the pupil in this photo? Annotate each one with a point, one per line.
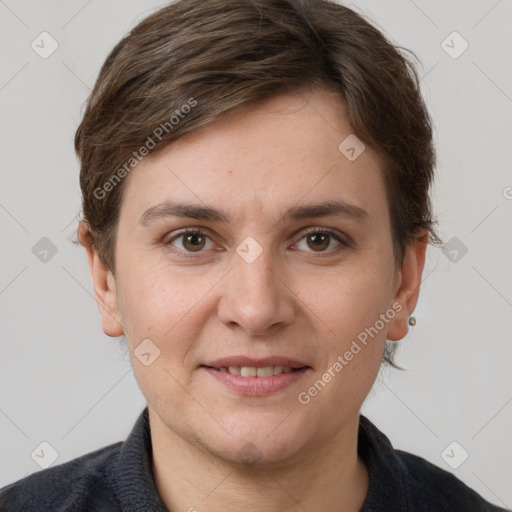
(194, 240)
(319, 240)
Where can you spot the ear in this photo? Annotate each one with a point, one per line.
(407, 288)
(104, 287)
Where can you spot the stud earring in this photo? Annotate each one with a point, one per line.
(412, 321)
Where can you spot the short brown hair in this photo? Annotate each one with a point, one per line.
(218, 56)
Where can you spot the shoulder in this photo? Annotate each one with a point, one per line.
(81, 484)
(428, 487)
(405, 482)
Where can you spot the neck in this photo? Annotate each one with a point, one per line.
(189, 478)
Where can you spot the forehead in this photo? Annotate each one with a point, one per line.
(283, 151)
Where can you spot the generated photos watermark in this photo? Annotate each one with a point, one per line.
(144, 150)
(305, 397)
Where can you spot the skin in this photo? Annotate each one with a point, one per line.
(295, 300)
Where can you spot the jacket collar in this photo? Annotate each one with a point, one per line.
(386, 472)
(133, 479)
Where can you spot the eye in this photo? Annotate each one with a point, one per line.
(319, 240)
(191, 241)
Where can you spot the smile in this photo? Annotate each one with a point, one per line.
(252, 371)
(256, 381)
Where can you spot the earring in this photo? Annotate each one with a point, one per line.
(412, 321)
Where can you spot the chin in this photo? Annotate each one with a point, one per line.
(257, 439)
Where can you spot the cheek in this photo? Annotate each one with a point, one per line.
(156, 300)
(354, 342)
(352, 299)
(160, 306)
(169, 308)
(351, 306)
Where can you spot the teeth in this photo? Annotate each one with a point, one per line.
(251, 371)
(248, 371)
(266, 371)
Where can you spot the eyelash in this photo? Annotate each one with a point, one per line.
(310, 231)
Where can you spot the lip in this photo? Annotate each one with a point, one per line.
(256, 386)
(255, 362)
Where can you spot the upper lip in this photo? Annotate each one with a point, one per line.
(255, 362)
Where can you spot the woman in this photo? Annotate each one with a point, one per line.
(255, 181)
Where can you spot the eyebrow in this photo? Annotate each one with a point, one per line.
(169, 209)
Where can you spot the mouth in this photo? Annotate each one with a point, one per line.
(256, 378)
(254, 371)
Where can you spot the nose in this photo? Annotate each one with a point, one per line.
(256, 296)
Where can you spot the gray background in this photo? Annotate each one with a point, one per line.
(64, 382)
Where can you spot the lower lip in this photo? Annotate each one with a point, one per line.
(256, 386)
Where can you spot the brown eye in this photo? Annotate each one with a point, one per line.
(321, 240)
(318, 241)
(194, 242)
(191, 242)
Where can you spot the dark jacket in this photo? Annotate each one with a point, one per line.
(119, 478)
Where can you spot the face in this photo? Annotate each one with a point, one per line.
(252, 257)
